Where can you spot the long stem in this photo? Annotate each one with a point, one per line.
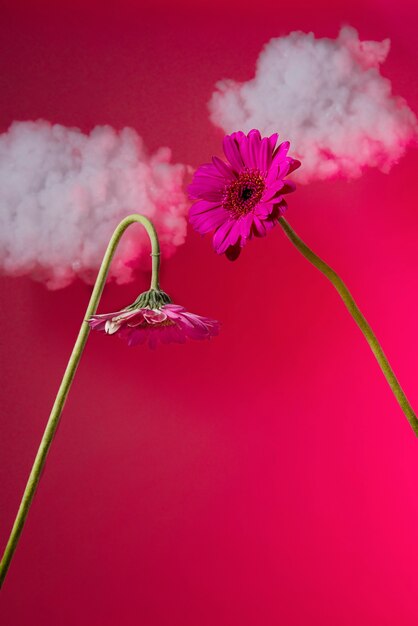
(358, 318)
(68, 377)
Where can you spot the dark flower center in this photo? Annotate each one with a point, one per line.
(242, 195)
(247, 193)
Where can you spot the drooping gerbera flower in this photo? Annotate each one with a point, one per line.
(243, 198)
(162, 324)
(151, 319)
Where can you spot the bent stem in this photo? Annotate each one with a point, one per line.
(358, 318)
(69, 374)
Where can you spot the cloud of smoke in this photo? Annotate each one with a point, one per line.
(62, 193)
(328, 98)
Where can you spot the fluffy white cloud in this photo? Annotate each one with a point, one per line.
(62, 193)
(328, 98)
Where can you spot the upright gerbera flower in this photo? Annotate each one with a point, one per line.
(242, 198)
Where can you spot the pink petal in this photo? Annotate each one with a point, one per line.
(239, 136)
(233, 252)
(199, 192)
(288, 187)
(283, 168)
(244, 148)
(98, 322)
(293, 164)
(232, 153)
(279, 163)
(282, 150)
(176, 335)
(134, 336)
(220, 238)
(231, 238)
(282, 206)
(272, 189)
(202, 184)
(172, 310)
(208, 169)
(153, 340)
(206, 222)
(155, 316)
(254, 140)
(254, 132)
(273, 140)
(245, 226)
(202, 206)
(223, 168)
(264, 159)
(264, 209)
(258, 227)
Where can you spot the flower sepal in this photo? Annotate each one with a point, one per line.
(152, 299)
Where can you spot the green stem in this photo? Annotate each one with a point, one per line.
(358, 318)
(69, 374)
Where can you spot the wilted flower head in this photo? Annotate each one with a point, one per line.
(158, 323)
(243, 198)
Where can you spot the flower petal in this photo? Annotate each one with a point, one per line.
(264, 209)
(282, 150)
(197, 191)
(208, 169)
(202, 206)
(254, 132)
(232, 152)
(244, 148)
(221, 236)
(279, 163)
(223, 168)
(155, 316)
(233, 236)
(264, 158)
(258, 227)
(246, 223)
(254, 141)
(272, 189)
(210, 220)
(293, 164)
(233, 252)
(112, 327)
(273, 140)
(288, 187)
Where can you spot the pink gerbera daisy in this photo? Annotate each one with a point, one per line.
(143, 325)
(243, 198)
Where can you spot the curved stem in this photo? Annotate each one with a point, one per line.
(68, 377)
(358, 318)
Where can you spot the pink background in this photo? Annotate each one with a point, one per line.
(267, 477)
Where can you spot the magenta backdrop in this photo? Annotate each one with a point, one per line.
(267, 477)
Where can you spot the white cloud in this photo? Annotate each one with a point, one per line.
(328, 98)
(63, 192)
